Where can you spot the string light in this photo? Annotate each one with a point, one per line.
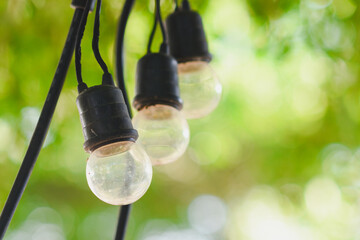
(199, 85)
(118, 171)
(164, 132)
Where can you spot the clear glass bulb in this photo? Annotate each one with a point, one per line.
(119, 173)
(200, 88)
(163, 133)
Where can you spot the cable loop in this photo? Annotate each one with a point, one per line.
(95, 40)
(79, 37)
(157, 18)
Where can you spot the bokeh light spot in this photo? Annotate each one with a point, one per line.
(322, 198)
(207, 214)
(318, 4)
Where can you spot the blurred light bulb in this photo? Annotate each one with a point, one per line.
(163, 132)
(119, 173)
(200, 88)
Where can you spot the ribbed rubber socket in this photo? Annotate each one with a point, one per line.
(104, 117)
(186, 36)
(157, 82)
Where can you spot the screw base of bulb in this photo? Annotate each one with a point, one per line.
(141, 101)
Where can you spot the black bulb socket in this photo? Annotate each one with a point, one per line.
(186, 36)
(104, 117)
(157, 82)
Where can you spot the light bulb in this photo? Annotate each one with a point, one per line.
(119, 173)
(163, 133)
(200, 88)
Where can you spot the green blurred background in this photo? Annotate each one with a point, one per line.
(279, 159)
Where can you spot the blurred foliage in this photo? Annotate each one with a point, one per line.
(278, 159)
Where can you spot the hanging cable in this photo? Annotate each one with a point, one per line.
(185, 5)
(157, 18)
(158, 14)
(107, 78)
(95, 41)
(79, 36)
(42, 125)
(125, 210)
(151, 38)
(119, 51)
(176, 5)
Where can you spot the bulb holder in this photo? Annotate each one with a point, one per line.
(157, 82)
(186, 36)
(104, 117)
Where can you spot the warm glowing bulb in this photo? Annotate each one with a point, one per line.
(200, 88)
(119, 173)
(163, 133)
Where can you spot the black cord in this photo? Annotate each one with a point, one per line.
(151, 38)
(42, 126)
(176, 4)
(95, 40)
(123, 221)
(119, 51)
(79, 36)
(125, 210)
(185, 5)
(158, 13)
(157, 18)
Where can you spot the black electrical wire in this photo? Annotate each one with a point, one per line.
(123, 221)
(185, 5)
(119, 52)
(151, 38)
(176, 4)
(95, 41)
(42, 126)
(79, 36)
(157, 18)
(158, 13)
